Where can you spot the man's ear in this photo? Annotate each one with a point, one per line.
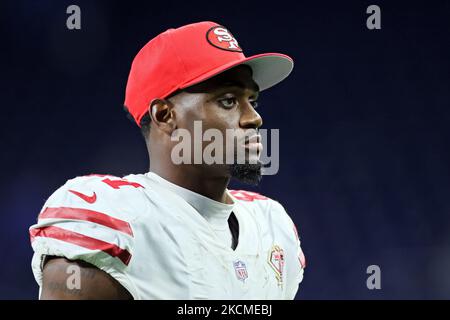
(163, 116)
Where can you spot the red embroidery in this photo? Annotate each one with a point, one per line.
(88, 199)
(247, 195)
(116, 184)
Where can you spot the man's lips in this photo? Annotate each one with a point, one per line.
(253, 143)
(252, 139)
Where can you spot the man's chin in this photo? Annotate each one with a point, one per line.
(247, 173)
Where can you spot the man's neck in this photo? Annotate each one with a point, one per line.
(196, 180)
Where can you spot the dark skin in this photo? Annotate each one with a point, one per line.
(226, 101)
(95, 284)
(218, 105)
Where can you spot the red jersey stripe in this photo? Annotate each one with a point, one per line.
(87, 215)
(82, 241)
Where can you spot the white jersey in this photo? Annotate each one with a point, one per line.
(158, 246)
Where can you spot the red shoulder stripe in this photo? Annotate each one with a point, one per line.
(82, 241)
(87, 215)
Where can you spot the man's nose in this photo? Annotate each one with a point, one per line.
(250, 119)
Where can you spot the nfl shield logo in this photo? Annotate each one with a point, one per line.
(241, 270)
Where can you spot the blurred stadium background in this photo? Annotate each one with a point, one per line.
(363, 119)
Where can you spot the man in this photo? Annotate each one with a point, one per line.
(177, 232)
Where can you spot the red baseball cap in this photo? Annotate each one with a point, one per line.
(179, 58)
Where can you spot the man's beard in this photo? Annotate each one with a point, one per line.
(246, 172)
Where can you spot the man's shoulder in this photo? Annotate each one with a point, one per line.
(103, 193)
(266, 210)
(258, 202)
(105, 182)
(108, 181)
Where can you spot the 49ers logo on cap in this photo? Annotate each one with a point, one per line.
(221, 38)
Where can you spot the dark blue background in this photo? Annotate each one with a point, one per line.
(363, 123)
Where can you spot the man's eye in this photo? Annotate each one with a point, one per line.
(254, 104)
(228, 102)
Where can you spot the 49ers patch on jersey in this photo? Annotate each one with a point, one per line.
(221, 38)
(276, 261)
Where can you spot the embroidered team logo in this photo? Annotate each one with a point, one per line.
(276, 261)
(221, 38)
(241, 270)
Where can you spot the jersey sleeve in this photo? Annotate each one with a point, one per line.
(295, 262)
(281, 227)
(82, 220)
